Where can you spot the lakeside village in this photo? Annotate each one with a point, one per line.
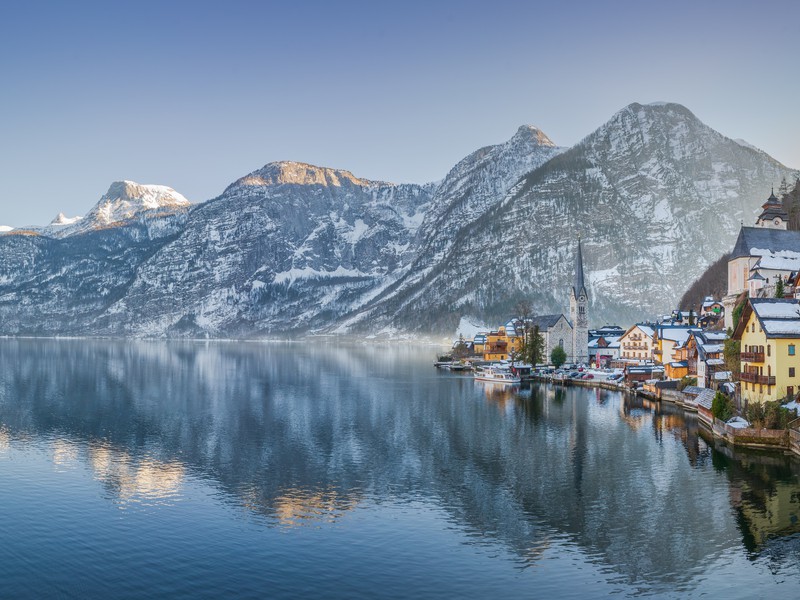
(735, 361)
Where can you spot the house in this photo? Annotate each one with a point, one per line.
(604, 345)
(669, 341)
(501, 344)
(637, 343)
(769, 334)
(711, 307)
(707, 355)
(479, 343)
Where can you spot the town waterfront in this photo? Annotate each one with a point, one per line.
(131, 469)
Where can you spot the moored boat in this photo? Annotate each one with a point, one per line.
(496, 375)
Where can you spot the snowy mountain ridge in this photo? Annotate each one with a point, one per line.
(291, 248)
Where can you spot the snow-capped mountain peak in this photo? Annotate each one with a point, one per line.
(125, 199)
(62, 219)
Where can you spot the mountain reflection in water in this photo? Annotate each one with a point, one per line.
(302, 434)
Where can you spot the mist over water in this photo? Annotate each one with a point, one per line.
(140, 469)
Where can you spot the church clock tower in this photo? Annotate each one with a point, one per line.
(579, 313)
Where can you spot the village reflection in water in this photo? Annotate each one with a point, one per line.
(299, 435)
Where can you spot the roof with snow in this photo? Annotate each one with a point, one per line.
(778, 317)
(676, 333)
(760, 241)
(785, 260)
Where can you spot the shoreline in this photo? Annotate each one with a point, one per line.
(786, 442)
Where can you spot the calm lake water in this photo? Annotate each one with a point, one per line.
(148, 469)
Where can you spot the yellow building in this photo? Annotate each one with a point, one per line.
(500, 344)
(769, 333)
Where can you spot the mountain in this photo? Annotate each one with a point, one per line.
(472, 188)
(294, 248)
(654, 193)
(290, 246)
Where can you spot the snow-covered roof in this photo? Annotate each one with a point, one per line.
(692, 390)
(715, 362)
(712, 348)
(738, 423)
(759, 241)
(722, 376)
(679, 364)
(779, 317)
(676, 334)
(786, 260)
(776, 310)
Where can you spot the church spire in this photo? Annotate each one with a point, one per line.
(579, 283)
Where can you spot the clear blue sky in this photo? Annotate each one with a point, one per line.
(196, 94)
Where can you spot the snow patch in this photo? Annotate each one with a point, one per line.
(293, 275)
(469, 327)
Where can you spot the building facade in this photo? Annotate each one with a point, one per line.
(769, 334)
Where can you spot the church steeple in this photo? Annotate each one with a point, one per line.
(579, 285)
(772, 214)
(579, 311)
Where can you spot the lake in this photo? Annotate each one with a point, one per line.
(138, 469)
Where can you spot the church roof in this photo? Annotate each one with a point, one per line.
(773, 208)
(760, 241)
(545, 322)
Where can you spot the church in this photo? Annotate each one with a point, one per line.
(761, 255)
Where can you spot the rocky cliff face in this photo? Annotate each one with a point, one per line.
(655, 194)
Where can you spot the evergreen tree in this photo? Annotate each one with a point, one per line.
(558, 356)
(536, 348)
(779, 291)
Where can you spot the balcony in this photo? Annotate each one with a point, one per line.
(756, 378)
(753, 357)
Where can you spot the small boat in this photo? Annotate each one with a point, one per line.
(496, 375)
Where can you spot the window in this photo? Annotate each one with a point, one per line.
(768, 350)
(790, 391)
(791, 371)
(561, 343)
(791, 349)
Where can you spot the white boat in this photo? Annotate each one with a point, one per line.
(496, 375)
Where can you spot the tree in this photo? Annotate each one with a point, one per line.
(460, 349)
(722, 407)
(535, 349)
(523, 311)
(779, 286)
(737, 310)
(692, 318)
(730, 352)
(558, 356)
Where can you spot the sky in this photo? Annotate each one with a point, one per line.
(194, 95)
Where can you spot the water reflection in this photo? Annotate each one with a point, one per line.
(304, 434)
